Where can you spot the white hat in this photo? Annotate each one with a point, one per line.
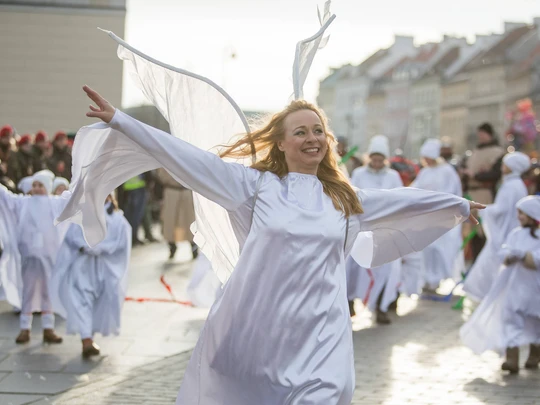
(517, 162)
(25, 185)
(431, 149)
(530, 205)
(47, 173)
(379, 144)
(59, 181)
(44, 179)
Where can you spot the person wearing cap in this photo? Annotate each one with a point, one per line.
(60, 161)
(7, 143)
(39, 150)
(509, 315)
(60, 185)
(25, 185)
(498, 220)
(440, 258)
(23, 160)
(342, 149)
(38, 242)
(5, 180)
(377, 287)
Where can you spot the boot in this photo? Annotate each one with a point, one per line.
(512, 360)
(90, 350)
(172, 250)
(24, 337)
(50, 337)
(534, 357)
(352, 312)
(393, 306)
(382, 318)
(194, 250)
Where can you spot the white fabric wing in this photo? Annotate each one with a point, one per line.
(306, 50)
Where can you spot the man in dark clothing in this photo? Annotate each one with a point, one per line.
(5, 180)
(60, 161)
(6, 143)
(39, 150)
(22, 163)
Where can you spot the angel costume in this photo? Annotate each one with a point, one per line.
(441, 256)
(10, 259)
(90, 284)
(369, 284)
(279, 332)
(509, 315)
(38, 243)
(498, 220)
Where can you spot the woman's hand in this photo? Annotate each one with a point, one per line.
(104, 111)
(475, 206)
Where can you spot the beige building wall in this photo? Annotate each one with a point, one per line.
(48, 54)
(375, 114)
(454, 112)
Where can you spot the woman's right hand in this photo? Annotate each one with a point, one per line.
(104, 110)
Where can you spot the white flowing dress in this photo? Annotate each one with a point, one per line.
(10, 262)
(368, 284)
(279, 332)
(498, 220)
(509, 315)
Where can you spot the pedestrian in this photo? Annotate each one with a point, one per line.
(38, 243)
(60, 185)
(177, 213)
(509, 316)
(441, 256)
(60, 161)
(135, 198)
(7, 143)
(498, 220)
(89, 285)
(39, 151)
(378, 287)
(25, 185)
(297, 218)
(23, 162)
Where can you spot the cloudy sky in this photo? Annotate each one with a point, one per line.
(201, 36)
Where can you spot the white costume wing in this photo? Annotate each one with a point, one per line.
(306, 50)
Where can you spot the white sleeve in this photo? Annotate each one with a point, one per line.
(404, 220)
(10, 200)
(227, 184)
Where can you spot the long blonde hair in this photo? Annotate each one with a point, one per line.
(263, 144)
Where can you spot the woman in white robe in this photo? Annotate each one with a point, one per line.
(280, 328)
(38, 243)
(10, 260)
(378, 287)
(509, 316)
(441, 256)
(498, 220)
(204, 285)
(90, 284)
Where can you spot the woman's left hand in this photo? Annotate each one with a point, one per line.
(475, 206)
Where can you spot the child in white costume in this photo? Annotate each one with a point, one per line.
(498, 220)
(509, 316)
(378, 287)
(60, 185)
(439, 257)
(38, 241)
(90, 283)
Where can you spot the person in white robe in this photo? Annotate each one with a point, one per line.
(509, 316)
(89, 284)
(25, 185)
(439, 258)
(60, 185)
(38, 243)
(10, 260)
(378, 287)
(498, 219)
(204, 286)
(280, 328)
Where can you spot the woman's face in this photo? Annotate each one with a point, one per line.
(38, 189)
(304, 142)
(523, 218)
(60, 189)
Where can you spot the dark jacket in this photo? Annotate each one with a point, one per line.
(60, 162)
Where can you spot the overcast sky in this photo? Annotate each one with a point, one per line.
(200, 35)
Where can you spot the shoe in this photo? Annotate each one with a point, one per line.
(534, 357)
(24, 337)
(512, 360)
(89, 351)
(151, 239)
(393, 306)
(50, 337)
(382, 318)
(194, 250)
(172, 250)
(352, 311)
(137, 242)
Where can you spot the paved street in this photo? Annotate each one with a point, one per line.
(416, 360)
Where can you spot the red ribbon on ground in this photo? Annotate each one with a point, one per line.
(169, 289)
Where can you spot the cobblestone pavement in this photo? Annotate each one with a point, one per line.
(416, 360)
